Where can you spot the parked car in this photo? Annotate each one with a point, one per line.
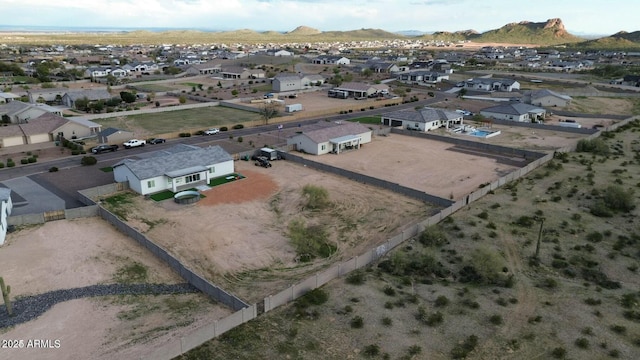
(133, 143)
(157, 141)
(211, 131)
(262, 161)
(104, 148)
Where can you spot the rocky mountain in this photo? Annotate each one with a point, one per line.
(551, 32)
(304, 30)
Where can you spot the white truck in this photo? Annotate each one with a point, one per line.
(133, 143)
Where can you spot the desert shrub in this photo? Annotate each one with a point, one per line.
(619, 329)
(313, 297)
(224, 128)
(441, 301)
(433, 236)
(525, 221)
(24, 161)
(357, 322)
(582, 343)
(53, 169)
(88, 160)
(371, 350)
(317, 197)
(592, 301)
(414, 350)
(240, 139)
(495, 319)
(483, 215)
(594, 146)
(1, 165)
(461, 350)
(310, 241)
(238, 126)
(10, 163)
(594, 237)
(617, 199)
(356, 277)
(430, 319)
(559, 353)
(485, 268)
(32, 159)
(387, 321)
(388, 290)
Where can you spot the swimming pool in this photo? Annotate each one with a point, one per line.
(483, 133)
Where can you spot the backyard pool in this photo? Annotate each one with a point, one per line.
(484, 133)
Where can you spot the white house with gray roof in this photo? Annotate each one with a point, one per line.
(424, 119)
(492, 84)
(6, 205)
(177, 168)
(515, 111)
(334, 139)
(546, 98)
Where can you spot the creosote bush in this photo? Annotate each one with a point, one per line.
(317, 197)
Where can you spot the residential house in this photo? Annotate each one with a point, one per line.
(281, 53)
(492, 84)
(69, 99)
(425, 119)
(208, 68)
(235, 72)
(358, 90)
(6, 97)
(331, 60)
(45, 128)
(333, 139)
(17, 112)
(175, 169)
(546, 98)
(421, 77)
(383, 67)
(114, 136)
(6, 205)
(292, 82)
(515, 111)
(48, 96)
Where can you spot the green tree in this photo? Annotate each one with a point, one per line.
(127, 97)
(367, 73)
(182, 99)
(82, 104)
(269, 111)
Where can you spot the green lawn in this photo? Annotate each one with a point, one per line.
(180, 120)
(107, 169)
(367, 120)
(223, 179)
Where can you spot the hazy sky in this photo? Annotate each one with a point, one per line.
(601, 17)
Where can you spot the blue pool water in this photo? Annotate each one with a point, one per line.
(480, 133)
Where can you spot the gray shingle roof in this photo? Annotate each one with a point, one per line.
(423, 115)
(175, 162)
(89, 94)
(326, 134)
(517, 108)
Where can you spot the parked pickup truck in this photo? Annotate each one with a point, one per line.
(104, 148)
(133, 143)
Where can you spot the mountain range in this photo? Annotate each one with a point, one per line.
(549, 33)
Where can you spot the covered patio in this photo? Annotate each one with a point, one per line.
(347, 142)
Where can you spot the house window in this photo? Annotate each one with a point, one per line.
(323, 147)
(417, 125)
(192, 178)
(212, 170)
(151, 184)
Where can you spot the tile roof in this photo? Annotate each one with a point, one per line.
(43, 124)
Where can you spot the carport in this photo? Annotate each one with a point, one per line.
(188, 177)
(346, 142)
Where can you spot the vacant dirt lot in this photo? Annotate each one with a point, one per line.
(434, 167)
(75, 253)
(237, 235)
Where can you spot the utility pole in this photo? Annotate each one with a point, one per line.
(541, 219)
